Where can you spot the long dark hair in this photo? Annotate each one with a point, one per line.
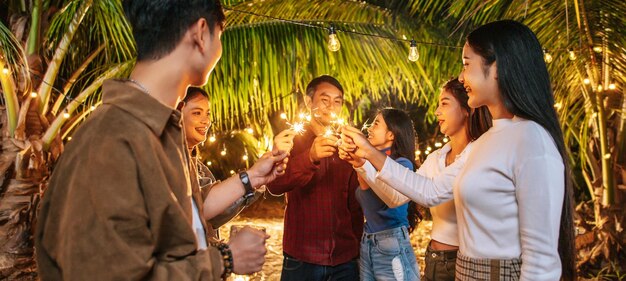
(524, 84)
(399, 123)
(479, 120)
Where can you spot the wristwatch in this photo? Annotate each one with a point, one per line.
(243, 176)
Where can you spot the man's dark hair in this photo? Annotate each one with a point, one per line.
(159, 25)
(312, 86)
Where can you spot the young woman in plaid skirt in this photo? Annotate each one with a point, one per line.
(513, 197)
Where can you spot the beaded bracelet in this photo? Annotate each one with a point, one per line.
(227, 256)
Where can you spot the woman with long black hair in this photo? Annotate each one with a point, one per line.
(386, 251)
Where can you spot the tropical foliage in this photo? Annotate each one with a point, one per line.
(57, 53)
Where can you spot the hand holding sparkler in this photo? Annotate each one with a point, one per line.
(323, 146)
(355, 143)
(284, 140)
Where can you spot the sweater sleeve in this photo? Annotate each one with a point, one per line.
(386, 193)
(425, 191)
(539, 187)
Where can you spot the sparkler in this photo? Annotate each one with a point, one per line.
(298, 126)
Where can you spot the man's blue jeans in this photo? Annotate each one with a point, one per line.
(388, 255)
(296, 270)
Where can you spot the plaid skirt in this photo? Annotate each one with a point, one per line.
(487, 269)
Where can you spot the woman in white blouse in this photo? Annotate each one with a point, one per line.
(513, 197)
(462, 125)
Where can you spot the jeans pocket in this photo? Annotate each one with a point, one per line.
(388, 246)
(291, 264)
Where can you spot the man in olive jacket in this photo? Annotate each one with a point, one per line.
(119, 203)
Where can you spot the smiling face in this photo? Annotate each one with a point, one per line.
(379, 135)
(450, 114)
(326, 100)
(196, 119)
(480, 81)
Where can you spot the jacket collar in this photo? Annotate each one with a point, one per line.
(144, 107)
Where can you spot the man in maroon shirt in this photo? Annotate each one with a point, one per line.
(323, 220)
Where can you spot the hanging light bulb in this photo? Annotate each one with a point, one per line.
(586, 81)
(597, 49)
(547, 56)
(283, 116)
(333, 42)
(612, 86)
(33, 94)
(223, 152)
(438, 144)
(249, 130)
(209, 163)
(66, 114)
(5, 70)
(232, 172)
(212, 138)
(93, 107)
(245, 157)
(413, 54)
(600, 88)
(445, 139)
(418, 152)
(572, 55)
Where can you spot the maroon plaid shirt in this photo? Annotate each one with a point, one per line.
(323, 220)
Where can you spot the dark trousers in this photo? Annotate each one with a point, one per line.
(440, 265)
(296, 270)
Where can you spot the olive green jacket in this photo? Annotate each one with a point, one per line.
(118, 205)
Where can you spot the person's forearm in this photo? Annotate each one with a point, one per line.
(222, 196)
(376, 158)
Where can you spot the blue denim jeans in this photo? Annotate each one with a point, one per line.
(296, 270)
(388, 255)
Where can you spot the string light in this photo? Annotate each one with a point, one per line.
(333, 41)
(245, 157)
(209, 163)
(69, 138)
(429, 149)
(612, 86)
(232, 172)
(600, 88)
(418, 152)
(558, 105)
(212, 138)
(223, 152)
(92, 108)
(426, 152)
(586, 81)
(438, 144)
(249, 130)
(572, 55)
(445, 139)
(597, 49)
(283, 116)
(66, 114)
(413, 54)
(5, 71)
(33, 94)
(547, 56)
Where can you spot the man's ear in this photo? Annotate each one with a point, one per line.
(307, 101)
(198, 35)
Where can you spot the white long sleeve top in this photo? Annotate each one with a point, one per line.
(509, 198)
(444, 227)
